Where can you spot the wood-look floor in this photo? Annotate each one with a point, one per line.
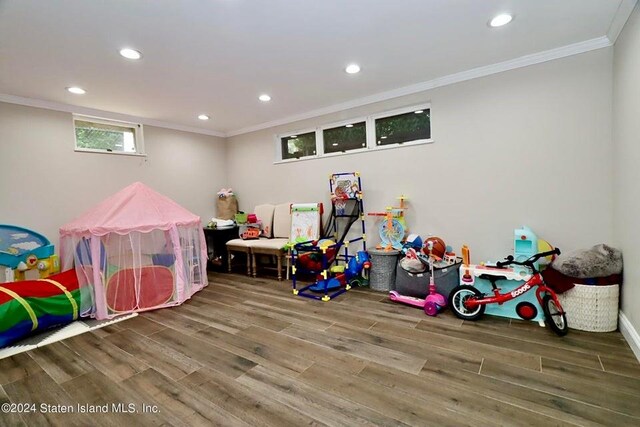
(246, 352)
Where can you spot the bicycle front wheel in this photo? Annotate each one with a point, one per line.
(554, 316)
(457, 298)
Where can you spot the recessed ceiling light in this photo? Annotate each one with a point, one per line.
(130, 53)
(293, 136)
(203, 117)
(335, 144)
(349, 125)
(500, 20)
(76, 90)
(352, 69)
(264, 97)
(419, 111)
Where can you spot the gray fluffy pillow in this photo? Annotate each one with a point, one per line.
(598, 261)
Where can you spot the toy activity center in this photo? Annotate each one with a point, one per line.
(340, 212)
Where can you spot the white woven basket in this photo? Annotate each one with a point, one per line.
(592, 308)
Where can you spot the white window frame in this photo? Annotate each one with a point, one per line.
(370, 126)
(341, 123)
(278, 142)
(138, 135)
(397, 112)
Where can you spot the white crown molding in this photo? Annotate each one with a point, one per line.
(630, 334)
(523, 61)
(620, 18)
(57, 106)
(512, 64)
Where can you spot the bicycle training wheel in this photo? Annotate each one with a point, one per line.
(458, 296)
(554, 316)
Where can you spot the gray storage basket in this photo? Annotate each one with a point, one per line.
(383, 269)
(417, 285)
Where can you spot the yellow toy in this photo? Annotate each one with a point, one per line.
(544, 246)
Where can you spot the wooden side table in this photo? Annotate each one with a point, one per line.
(216, 246)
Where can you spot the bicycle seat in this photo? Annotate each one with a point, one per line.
(492, 278)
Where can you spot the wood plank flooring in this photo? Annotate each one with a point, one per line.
(246, 352)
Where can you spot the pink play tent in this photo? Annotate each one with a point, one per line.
(137, 250)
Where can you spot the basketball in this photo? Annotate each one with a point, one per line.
(438, 249)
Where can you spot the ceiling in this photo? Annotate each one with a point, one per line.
(217, 56)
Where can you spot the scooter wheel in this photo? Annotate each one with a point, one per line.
(431, 308)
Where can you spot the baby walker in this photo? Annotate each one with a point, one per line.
(434, 302)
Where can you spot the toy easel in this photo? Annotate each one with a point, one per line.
(391, 214)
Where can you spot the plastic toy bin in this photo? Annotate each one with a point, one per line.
(417, 284)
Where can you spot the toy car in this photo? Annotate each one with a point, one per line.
(250, 233)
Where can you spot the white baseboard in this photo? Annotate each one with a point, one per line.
(630, 334)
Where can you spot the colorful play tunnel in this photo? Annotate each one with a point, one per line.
(33, 306)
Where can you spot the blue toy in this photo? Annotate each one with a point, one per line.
(22, 249)
(525, 244)
(413, 241)
(506, 279)
(355, 274)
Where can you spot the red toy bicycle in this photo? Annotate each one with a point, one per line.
(468, 303)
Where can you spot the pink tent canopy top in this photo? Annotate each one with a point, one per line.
(134, 208)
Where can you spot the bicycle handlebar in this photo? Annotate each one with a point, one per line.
(529, 262)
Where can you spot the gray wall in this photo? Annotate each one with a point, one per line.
(626, 131)
(44, 183)
(530, 146)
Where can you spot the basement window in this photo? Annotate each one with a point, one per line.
(352, 136)
(411, 126)
(298, 145)
(107, 136)
(403, 127)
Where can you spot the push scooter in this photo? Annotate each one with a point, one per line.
(434, 302)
